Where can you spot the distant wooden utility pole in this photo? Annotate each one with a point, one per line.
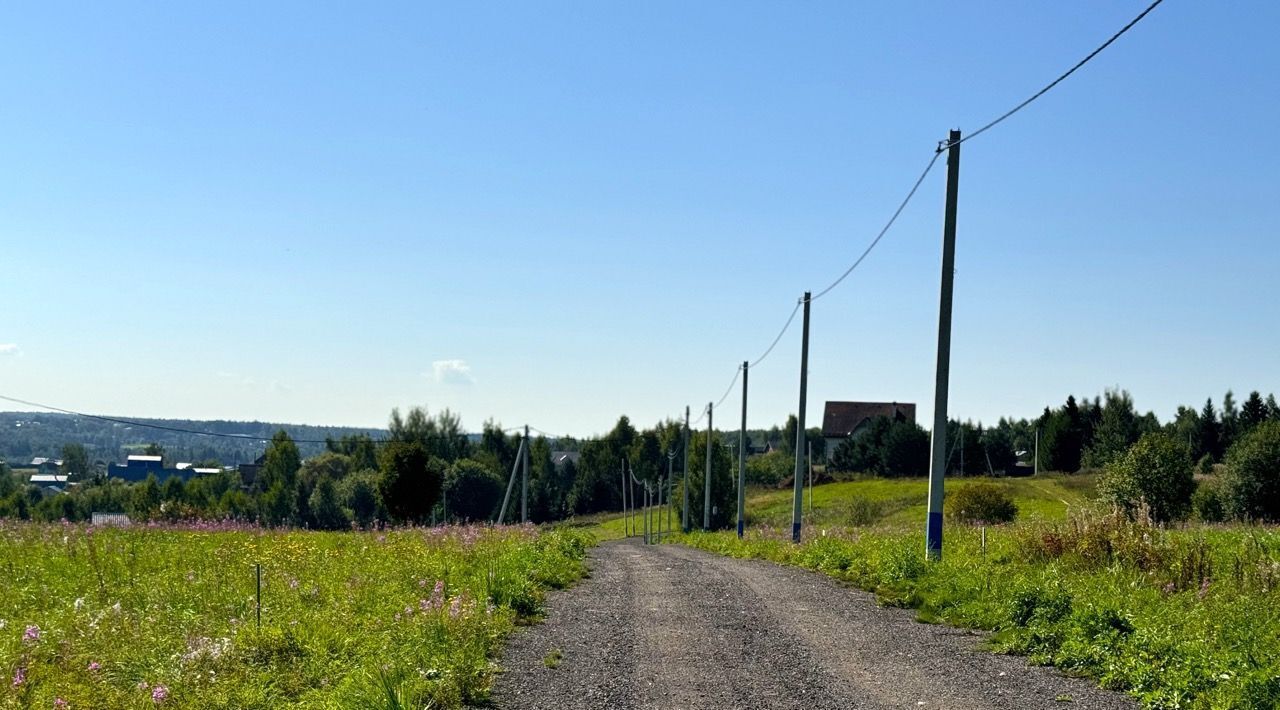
(938, 460)
(684, 518)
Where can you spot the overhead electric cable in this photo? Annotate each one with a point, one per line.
(943, 145)
(782, 332)
(163, 427)
(883, 231)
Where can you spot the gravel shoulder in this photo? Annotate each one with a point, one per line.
(667, 626)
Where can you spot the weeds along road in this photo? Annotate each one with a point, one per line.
(666, 626)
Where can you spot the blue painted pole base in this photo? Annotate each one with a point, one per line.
(795, 532)
(741, 525)
(933, 537)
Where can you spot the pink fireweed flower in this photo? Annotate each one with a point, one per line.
(32, 634)
(95, 666)
(455, 607)
(293, 583)
(159, 694)
(19, 676)
(59, 703)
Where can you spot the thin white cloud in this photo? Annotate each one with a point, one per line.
(8, 349)
(451, 372)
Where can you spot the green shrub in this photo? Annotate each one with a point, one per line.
(1155, 474)
(1205, 466)
(1251, 484)
(981, 503)
(1207, 502)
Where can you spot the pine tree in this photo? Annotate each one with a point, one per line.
(1253, 413)
(1209, 432)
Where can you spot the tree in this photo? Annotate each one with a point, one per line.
(1251, 483)
(1273, 409)
(1253, 413)
(1155, 472)
(439, 436)
(1209, 434)
(144, 498)
(411, 480)
(359, 448)
(723, 488)
(1117, 429)
(326, 512)
(1062, 438)
(278, 481)
(1230, 423)
(75, 461)
(359, 493)
(472, 492)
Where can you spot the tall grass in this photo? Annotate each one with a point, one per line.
(167, 615)
(1186, 618)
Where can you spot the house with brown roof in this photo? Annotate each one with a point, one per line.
(841, 420)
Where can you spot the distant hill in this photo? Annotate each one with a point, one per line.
(25, 435)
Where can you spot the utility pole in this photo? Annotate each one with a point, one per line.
(626, 519)
(810, 445)
(684, 519)
(1036, 470)
(511, 483)
(742, 458)
(938, 460)
(671, 458)
(706, 488)
(801, 435)
(524, 486)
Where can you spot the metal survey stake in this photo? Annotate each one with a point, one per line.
(797, 507)
(938, 459)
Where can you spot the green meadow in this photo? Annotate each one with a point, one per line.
(168, 616)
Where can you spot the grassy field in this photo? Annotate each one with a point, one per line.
(884, 503)
(1180, 618)
(148, 616)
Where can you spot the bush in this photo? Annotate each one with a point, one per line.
(981, 503)
(770, 469)
(1251, 484)
(1155, 473)
(1207, 503)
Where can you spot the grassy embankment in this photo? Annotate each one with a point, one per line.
(133, 618)
(1179, 618)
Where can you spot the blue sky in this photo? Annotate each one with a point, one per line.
(558, 213)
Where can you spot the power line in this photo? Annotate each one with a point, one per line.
(164, 427)
(883, 231)
(782, 332)
(943, 145)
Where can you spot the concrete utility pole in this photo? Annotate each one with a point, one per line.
(810, 450)
(671, 458)
(742, 457)
(801, 435)
(684, 519)
(1036, 470)
(938, 460)
(524, 486)
(511, 483)
(706, 492)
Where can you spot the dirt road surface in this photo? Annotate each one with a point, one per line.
(666, 626)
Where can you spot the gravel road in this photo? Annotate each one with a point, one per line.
(667, 626)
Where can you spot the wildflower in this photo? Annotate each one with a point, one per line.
(422, 583)
(1204, 588)
(1168, 588)
(455, 607)
(79, 603)
(116, 607)
(159, 694)
(19, 676)
(32, 634)
(143, 685)
(3, 623)
(59, 703)
(408, 611)
(95, 666)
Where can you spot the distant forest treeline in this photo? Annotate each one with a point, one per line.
(26, 435)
